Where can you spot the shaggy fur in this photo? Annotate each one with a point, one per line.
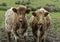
(15, 19)
(39, 22)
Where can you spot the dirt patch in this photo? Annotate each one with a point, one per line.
(51, 37)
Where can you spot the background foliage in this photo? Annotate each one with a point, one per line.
(55, 21)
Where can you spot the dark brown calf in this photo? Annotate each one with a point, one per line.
(39, 22)
(15, 19)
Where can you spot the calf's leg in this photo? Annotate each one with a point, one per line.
(24, 33)
(16, 35)
(8, 34)
(34, 31)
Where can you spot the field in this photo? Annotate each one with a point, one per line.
(55, 21)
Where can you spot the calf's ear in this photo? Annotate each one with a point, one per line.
(46, 13)
(28, 11)
(14, 10)
(34, 13)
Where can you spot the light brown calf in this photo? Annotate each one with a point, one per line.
(39, 22)
(15, 19)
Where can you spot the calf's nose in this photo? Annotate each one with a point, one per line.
(39, 23)
(20, 20)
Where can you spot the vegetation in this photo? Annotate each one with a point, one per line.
(55, 25)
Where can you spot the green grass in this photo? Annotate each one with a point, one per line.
(2, 15)
(55, 15)
(10, 3)
(55, 21)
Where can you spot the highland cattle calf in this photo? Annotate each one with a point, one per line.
(39, 22)
(15, 19)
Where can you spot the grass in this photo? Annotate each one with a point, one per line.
(2, 15)
(55, 15)
(55, 21)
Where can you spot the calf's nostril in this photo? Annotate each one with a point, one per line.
(40, 24)
(20, 20)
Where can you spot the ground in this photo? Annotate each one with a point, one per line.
(54, 30)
